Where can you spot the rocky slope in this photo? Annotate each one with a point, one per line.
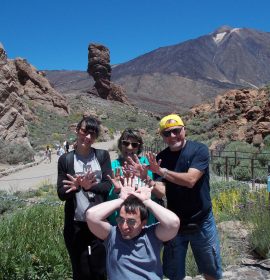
(22, 90)
(237, 115)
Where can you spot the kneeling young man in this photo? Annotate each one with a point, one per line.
(133, 249)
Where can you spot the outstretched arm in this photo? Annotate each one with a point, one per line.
(168, 222)
(96, 217)
(185, 179)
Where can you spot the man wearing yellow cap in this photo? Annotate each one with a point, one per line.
(184, 168)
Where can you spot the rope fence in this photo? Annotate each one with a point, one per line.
(28, 201)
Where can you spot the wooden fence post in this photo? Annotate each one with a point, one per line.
(268, 184)
(227, 168)
(252, 174)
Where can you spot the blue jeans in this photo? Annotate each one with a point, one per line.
(205, 247)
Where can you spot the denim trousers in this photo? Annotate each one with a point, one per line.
(205, 247)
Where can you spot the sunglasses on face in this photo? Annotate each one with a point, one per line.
(133, 144)
(121, 221)
(85, 132)
(175, 131)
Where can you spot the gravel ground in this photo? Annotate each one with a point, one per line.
(35, 176)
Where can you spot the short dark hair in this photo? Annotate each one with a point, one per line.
(91, 123)
(132, 203)
(131, 133)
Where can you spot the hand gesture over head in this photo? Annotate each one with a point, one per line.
(143, 193)
(128, 188)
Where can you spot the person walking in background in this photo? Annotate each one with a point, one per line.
(130, 145)
(48, 154)
(184, 168)
(133, 249)
(82, 183)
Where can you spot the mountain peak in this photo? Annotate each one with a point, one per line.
(222, 29)
(220, 33)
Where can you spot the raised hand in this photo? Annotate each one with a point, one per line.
(154, 165)
(143, 193)
(140, 170)
(117, 180)
(127, 189)
(128, 170)
(88, 180)
(72, 184)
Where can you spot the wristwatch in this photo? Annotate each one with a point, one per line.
(165, 172)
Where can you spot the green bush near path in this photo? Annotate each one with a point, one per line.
(32, 245)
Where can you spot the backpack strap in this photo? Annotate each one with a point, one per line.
(70, 160)
(99, 154)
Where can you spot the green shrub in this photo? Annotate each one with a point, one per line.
(241, 173)
(266, 141)
(234, 201)
(34, 246)
(14, 153)
(264, 156)
(256, 214)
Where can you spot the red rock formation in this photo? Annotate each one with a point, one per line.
(99, 67)
(245, 114)
(21, 84)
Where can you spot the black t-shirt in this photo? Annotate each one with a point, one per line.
(189, 204)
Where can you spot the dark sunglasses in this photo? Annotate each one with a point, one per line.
(133, 144)
(175, 131)
(85, 132)
(121, 221)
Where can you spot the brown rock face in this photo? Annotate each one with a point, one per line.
(100, 69)
(21, 83)
(37, 88)
(245, 114)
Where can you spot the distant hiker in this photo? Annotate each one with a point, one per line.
(48, 154)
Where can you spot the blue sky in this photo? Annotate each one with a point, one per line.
(55, 34)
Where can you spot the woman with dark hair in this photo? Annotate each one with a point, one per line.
(82, 183)
(130, 145)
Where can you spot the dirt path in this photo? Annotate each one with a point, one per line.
(43, 173)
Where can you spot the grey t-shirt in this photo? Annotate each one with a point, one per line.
(138, 258)
(86, 199)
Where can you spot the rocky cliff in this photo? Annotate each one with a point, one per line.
(240, 115)
(22, 89)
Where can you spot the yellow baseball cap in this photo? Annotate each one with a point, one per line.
(169, 121)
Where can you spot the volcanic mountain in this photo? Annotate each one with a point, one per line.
(174, 78)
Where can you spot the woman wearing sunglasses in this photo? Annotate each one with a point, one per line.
(82, 183)
(130, 145)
